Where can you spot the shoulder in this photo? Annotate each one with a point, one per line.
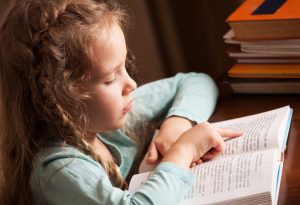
(172, 82)
(66, 173)
(64, 158)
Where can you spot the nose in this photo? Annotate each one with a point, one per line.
(130, 85)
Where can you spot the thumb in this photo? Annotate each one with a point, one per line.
(152, 155)
(211, 154)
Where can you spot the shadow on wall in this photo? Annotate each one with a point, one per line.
(170, 36)
(200, 26)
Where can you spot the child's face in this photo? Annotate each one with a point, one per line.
(110, 83)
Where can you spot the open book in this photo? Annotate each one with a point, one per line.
(249, 171)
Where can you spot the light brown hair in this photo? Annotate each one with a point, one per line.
(44, 60)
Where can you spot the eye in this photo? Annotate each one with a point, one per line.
(111, 80)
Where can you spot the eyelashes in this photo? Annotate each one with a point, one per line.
(110, 81)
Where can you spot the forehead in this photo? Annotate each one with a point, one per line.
(109, 49)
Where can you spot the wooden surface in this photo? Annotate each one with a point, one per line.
(232, 106)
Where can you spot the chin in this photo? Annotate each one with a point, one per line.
(118, 125)
(114, 125)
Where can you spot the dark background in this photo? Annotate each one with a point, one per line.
(170, 36)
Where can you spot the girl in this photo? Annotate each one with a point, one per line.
(65, 98)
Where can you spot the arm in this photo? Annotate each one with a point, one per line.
(77, 181)
(69, 177)
(180, 100)
(169, 132)
(192, 96)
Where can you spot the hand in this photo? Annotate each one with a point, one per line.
(202, 142)
(226, 135)
(170, 130)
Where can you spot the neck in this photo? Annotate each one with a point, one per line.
(99, 147)
(90, 137)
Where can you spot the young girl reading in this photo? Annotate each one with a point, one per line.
(70, 111)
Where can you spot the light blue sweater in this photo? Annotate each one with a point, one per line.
(63, 175)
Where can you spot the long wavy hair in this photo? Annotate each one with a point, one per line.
(45, 54)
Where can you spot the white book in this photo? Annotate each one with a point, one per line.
(249, 171)
(282, 47)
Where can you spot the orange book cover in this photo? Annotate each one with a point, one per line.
(282, 9)
(265, 71)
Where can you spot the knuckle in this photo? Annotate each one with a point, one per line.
(205, 126)
(216, 138)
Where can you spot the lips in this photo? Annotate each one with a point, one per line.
(128, 107)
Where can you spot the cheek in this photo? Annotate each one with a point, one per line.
(105, 105)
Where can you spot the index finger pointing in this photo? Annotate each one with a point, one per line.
(229, 134)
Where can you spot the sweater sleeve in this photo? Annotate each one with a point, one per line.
(191, 95)
(77, 181)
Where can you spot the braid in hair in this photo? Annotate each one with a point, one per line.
(53, 53)
(44, 63)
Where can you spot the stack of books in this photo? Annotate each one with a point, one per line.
(264, 41)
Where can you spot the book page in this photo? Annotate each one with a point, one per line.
(228, 177)
(237, 176)
(261, 131)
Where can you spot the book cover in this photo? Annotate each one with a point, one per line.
(264, 85)
(266, 19)
(268, 60)
(265, 71)
(287, 9)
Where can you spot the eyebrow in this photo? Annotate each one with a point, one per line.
(117, 66)
(114, 68)
(107, 73)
